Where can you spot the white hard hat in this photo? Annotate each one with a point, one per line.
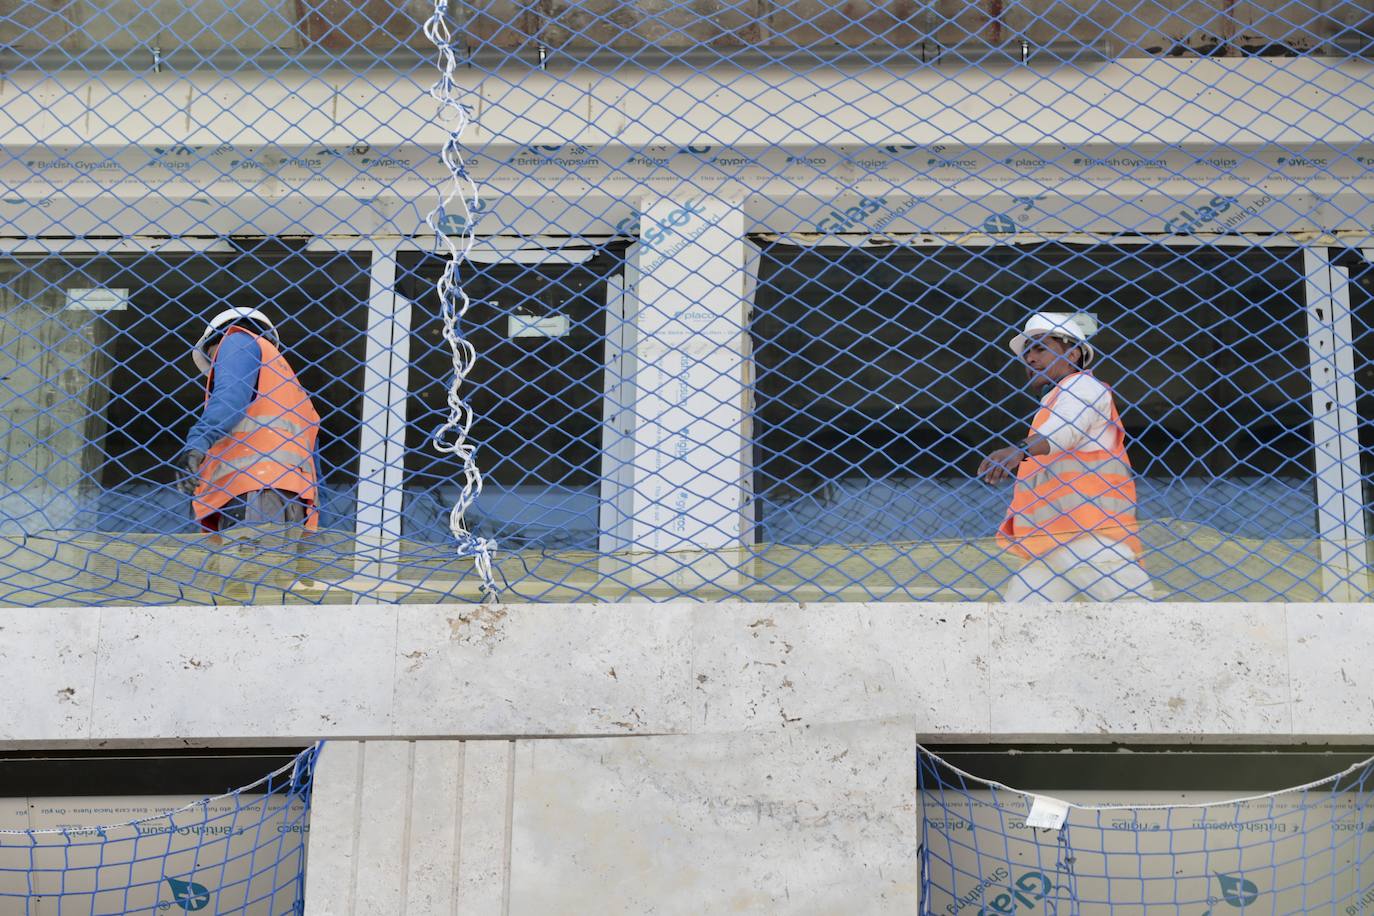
(200, 353)
(1075, 327)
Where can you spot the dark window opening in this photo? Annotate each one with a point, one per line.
(536, 391)
(97, 395)
(884, 377)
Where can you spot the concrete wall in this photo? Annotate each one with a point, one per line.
(660, 758)
(818, 820)
(978, 672)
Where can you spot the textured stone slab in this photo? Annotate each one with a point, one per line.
(766, 666)
(47, 673)
(805, 821)
(484, 828)
(230, 675)
(1328, 656)
(383, 830)
(432, 869)
(410, 827)
(244, 672)
(334, 828)
(543, 669)
(1139, 670)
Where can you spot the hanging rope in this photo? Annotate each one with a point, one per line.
(452, 436)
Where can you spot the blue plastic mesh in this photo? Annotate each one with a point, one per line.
(243, 852)
(738, 280)
(1298, 850)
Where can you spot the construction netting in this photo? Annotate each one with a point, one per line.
(242, 852)
(637, 299)
(988, 848)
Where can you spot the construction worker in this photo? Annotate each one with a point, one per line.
(1073, 509)
(250, 458)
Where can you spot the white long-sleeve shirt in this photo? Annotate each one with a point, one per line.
(1081, 415)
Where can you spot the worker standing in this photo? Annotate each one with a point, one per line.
(250, 458)
(1073, 509)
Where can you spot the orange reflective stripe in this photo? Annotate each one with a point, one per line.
(1111, 469)
(1078, 507)
(287, 425)
(262, 444)
(286, 459)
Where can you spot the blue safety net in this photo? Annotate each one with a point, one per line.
(242, 852)
(1299, 850)
(627, 299)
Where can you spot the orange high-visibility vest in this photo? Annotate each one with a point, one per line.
(1064, 495)
(271, 447)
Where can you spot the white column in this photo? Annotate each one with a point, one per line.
(618, 410)
(687, 348)
(381, 440)
(1334, 425)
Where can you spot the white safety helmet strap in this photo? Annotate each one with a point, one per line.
(200, 354)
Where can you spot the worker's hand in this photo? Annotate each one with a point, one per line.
(189, 471)
(1001, 465)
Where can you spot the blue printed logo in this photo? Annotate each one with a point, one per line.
(1236, 891)
(898, 149)
(1300, 162)
(458, 223)
(1006, 222)
(951, 163)
(999, 222)
(1189, 221)
(188, 895)
(1123, 162)
(870, 214)
(183, 150)
(733, 160)
(837, 221)
(671, 224)
(655, 233)
(546, 148)
(563, 155)
(452, 224)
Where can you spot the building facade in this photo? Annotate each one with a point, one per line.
(699, 316)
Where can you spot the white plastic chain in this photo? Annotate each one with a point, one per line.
(452, 436)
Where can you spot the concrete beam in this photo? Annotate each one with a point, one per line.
(94, 677)
(1185, 103)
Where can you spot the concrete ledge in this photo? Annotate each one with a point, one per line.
(1163, 672)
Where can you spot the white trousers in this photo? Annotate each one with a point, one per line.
(1104, 570)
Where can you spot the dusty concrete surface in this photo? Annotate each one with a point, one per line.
(955, 671)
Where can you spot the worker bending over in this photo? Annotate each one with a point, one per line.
(1073, 509)
(250, 458)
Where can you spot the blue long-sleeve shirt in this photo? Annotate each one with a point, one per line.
(237, 364)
